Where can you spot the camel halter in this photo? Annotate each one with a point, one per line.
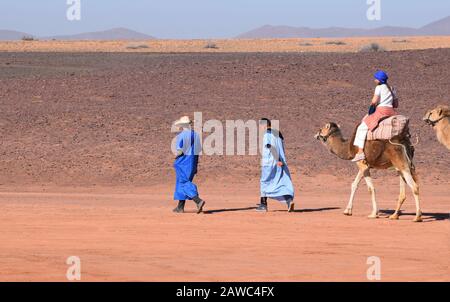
(326, 137)
(433, 123)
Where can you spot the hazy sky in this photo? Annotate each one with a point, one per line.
(210, 18)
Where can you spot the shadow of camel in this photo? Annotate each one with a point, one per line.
(228, 210)
(425, 216)
(311, 210)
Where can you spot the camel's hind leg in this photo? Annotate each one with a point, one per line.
(401, 198)
(355, 184)
(410, 180)
(401, 163)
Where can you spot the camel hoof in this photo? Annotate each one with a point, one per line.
(394, 217)
(348, 212)
(418, 219)
(372, 216)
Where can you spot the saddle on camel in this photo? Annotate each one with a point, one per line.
(388, 128)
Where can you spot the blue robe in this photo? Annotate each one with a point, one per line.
(185, 165)
(275, 181)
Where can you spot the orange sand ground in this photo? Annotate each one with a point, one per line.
(85, 133)
(126, 234)
(230, 45)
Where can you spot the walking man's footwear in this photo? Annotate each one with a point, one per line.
(200, 204)
(261, 208)
(180, 207)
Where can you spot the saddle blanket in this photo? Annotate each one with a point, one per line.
(389, 127)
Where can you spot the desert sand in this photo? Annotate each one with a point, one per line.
(86, 168)
(130, 235)
(230, 45)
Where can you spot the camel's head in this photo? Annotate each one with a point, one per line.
(328, 130)
(432, 117)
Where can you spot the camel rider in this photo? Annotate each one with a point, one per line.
(188, 147)
(382, 106)
(275, 177)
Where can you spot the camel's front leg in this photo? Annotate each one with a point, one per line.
(371, 188)
(401, 199)
(355, 184)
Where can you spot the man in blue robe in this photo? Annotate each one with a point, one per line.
(275, 177)
(188, 147)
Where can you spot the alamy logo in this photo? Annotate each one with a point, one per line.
(74, 10)
(374, 269)
(234, 137)
(74, 271)
(374, 11)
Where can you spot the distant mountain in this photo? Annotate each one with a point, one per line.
(9, 35)
(441, 27)
(438, 28)
(111, 34)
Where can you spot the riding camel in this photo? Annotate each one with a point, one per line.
(397, 152)
(439, 119)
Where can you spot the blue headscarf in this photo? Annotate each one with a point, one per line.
(381, 76)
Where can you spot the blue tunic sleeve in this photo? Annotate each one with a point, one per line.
(180, 142)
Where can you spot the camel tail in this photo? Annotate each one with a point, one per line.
(408, 151)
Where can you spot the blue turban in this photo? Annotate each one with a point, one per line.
(381, 76)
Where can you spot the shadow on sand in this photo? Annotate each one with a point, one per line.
(311, 210)
(228, 210)
(254, 208)
(427, 217)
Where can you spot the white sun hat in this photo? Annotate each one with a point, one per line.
(183, 121)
